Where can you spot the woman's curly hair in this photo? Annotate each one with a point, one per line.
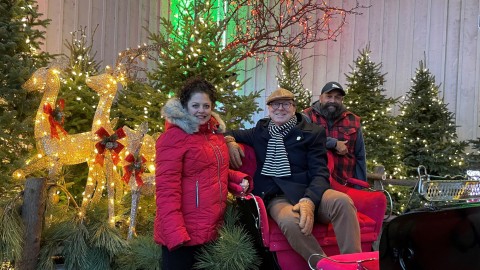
(195, 85)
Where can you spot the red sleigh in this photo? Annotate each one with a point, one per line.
(273, 246)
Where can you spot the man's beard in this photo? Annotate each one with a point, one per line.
(332, 110)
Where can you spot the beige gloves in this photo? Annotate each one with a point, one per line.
(306, 208)
(235, 152)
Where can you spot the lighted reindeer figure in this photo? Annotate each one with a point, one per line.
(106, 85)
(107, 146)
(139, 168)
(138, 144)
(55, 147)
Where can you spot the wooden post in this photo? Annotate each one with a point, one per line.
(33, 209)
(379, 170)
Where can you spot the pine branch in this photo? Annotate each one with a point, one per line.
(233, 250)
(142, 254)
(11, 231)
(83, 242)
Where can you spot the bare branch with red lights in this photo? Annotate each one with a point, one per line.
(262, 27)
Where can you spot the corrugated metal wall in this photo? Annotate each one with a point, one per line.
(399, 33)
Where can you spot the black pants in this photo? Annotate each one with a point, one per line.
(181, 258)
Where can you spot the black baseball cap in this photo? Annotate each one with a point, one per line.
(330, 86)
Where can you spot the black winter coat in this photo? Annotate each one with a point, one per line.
(307, 154)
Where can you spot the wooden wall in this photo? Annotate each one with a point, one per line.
(399, 33)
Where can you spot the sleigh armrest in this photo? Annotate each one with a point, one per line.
(262, 222)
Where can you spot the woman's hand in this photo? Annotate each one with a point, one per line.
(245, 185)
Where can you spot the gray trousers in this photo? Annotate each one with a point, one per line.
(336, 208)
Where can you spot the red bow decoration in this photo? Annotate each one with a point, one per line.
(56, 117)
(109, 142)
(136, 165)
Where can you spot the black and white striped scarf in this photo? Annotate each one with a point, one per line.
(276, 162)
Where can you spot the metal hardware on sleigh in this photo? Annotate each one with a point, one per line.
(389, 212)
(465, 189)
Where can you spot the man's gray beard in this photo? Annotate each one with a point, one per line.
(332, 113)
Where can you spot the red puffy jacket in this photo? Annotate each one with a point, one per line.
(192, 174)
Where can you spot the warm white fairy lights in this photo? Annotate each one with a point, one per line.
(69, 149)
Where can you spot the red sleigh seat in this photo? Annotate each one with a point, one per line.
(371, 206)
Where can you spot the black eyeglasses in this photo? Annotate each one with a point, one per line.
(285, 105)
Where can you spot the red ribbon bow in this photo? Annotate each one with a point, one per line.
(55, 118)
(136, 165)
(109, 142)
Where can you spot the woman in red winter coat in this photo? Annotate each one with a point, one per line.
(192, 175)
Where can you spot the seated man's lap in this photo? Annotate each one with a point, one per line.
(280, 209)
(332, 203)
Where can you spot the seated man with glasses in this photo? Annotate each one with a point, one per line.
(277, 104)
(293, 179)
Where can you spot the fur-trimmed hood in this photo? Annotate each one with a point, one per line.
(175, 114)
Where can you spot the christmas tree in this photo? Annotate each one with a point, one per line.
(198, 45)
(366, 99)
(290, 78)
(427, 129)
(80, 100)
(210, 39)
(474, 156)
(194, 47)
(139, 102)
(21, 35)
